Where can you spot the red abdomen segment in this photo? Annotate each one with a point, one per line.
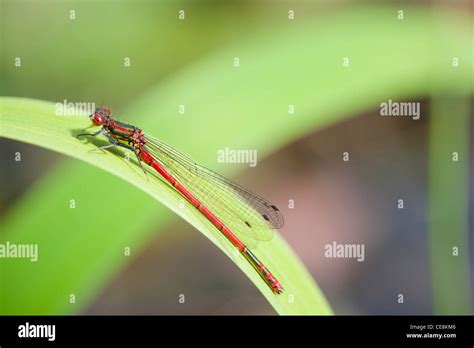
(266, 275)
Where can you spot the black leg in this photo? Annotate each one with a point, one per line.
(101, 131)
(116, 143)
(140, 163)
(113, 143)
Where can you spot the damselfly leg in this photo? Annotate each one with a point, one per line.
(113, 143)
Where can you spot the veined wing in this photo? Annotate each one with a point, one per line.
(239, 209)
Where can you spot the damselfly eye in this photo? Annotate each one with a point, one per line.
(97, 119)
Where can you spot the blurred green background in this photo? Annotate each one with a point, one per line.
(283, 62)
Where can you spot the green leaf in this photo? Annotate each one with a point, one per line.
(35, 122)
(244, 107)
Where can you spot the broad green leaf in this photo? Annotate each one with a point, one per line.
(243, 107)
(35, 122)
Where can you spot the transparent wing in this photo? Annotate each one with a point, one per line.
(238, 208)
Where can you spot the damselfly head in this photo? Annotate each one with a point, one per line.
(100, 115)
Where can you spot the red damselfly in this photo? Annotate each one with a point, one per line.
(224, 203)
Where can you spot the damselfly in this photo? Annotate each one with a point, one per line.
(224, 203)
